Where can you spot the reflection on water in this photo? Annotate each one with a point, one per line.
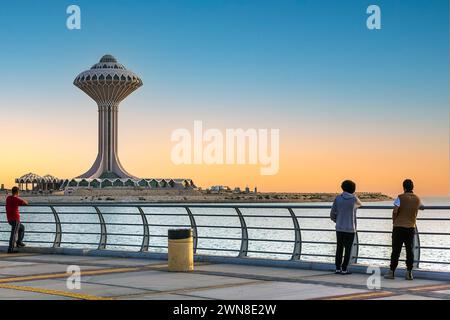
(81, 228)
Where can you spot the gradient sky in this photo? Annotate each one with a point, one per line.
(372, 106)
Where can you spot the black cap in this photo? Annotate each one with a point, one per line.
(178, 234)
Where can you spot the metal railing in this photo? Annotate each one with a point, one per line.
(292, 226)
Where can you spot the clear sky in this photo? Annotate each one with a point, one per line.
(349, 102)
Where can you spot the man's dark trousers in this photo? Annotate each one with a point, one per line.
(17, 234)
(344, 241)
(400, 236)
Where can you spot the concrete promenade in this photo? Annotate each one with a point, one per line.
(38, 275)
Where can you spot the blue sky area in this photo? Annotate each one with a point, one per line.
(265, 53)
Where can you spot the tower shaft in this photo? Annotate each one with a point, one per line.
(107, 121)
(107, 164)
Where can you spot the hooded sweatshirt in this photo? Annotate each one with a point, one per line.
(343, 212)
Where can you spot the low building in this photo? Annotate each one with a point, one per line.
(35, 183)
(129, 183)
(219, 189)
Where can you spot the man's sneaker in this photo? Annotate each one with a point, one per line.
(20, 245)
(409, 275)
(338, 271)
(390, 275)
(346, 272)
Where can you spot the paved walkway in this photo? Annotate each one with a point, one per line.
(38, 276)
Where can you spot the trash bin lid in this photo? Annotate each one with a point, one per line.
(176, 234)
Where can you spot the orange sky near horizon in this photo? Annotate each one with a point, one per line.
(313, 158)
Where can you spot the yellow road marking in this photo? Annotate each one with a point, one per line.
(53, 292)
(361, 296)
(65, 274)
(431, 288)
(4, 282)
(16, 255)
(94, 272)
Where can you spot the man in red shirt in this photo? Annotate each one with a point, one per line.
(13, 203)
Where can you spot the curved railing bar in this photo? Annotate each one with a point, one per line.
(146, 231)
(194, 227)
(244, 238)
(297, 251)
(58, 229)
(206, 205)
(103, 232)
(355, 249)
(416, 248)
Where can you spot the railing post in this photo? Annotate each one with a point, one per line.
(297, 252)
(416, 248)
(355, 249)
(244, 239)
(194, 227)
(58, 230)
(103, 233)
(146, 231)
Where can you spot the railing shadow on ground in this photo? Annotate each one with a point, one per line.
(287, 232)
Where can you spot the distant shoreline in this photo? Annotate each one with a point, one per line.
(190, 196)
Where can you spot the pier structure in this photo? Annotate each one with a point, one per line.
(228, 265)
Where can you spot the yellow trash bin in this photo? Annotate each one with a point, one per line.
(181, 250)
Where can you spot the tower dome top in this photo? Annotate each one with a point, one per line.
(108, 62)
(108, 58)
(108, 82)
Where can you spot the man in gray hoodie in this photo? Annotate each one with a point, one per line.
(343, 213)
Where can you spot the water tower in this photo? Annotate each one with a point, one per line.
(108, 83)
